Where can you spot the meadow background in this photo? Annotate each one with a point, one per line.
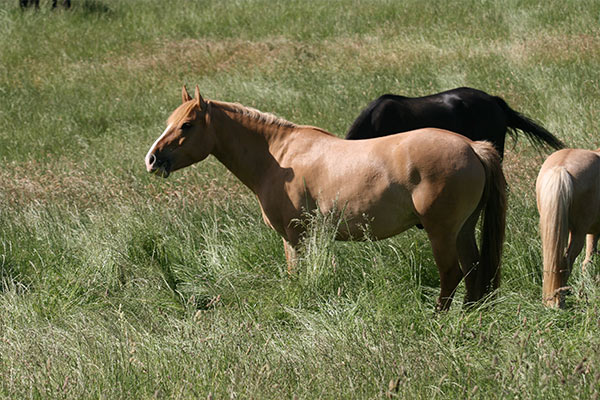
(117, 284)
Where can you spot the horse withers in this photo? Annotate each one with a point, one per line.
(470, 112)
(432, 177)
(568, 200)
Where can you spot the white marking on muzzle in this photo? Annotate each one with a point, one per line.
(147, 159)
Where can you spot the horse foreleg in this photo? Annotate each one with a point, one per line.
(591, 248)
(446, 258)
(291, 256)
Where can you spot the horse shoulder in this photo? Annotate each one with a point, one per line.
(280, 208)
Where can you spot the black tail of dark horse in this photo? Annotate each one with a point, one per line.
(536, 133)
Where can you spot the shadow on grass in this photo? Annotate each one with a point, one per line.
(92, 7)
(11, 279)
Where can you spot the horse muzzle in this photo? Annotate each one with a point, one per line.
(160, 167)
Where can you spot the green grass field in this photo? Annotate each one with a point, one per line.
(117, 284)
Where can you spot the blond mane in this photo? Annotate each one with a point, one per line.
(186, 109)
(253, 113)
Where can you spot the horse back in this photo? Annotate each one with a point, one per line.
(437, 152)
(467, 111)
(580, 163)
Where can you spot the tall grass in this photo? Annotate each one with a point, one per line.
(114, 284)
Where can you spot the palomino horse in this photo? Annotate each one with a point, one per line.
(470, 112)
(568, 200)
(436, 178)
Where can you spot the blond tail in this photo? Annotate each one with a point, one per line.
(554, 197)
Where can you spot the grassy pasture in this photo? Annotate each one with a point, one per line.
(115, 284)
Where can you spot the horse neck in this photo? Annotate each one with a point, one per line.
(247, 146)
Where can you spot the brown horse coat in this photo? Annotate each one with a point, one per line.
(433, 177)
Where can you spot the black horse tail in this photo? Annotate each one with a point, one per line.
(536, 133)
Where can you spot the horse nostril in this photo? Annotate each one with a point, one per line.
(151, 159)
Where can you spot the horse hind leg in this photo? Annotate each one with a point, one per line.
(591, 249)
(469, 257)
(575, 245)
(446, 258)
(555, 280)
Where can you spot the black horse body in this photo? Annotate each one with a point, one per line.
(470, 112)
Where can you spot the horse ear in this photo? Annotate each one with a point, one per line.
(199, 98)
(185, 96)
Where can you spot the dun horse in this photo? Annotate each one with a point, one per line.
(470, 112)
(431, 177)
(568, 200)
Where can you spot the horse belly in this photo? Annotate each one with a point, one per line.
(377, 215)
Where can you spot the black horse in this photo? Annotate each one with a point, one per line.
(470, 112)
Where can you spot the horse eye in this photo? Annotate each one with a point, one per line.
(186, 125)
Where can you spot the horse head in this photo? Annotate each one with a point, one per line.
(186, 140)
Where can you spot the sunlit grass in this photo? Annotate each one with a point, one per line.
(114, 284)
